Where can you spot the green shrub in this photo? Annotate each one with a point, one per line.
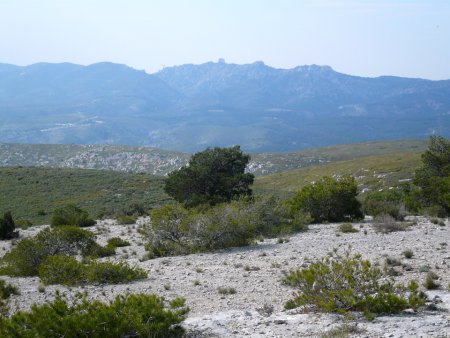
(430, 283)
(60, 269)
(388, 202)
(432, 180)
(68, 271)
(343, 283)
(408, 253)
(275, 218)
(140, 315)
(328, 200)
(386, 224)
(176, 230)
(223, 290)
(118, 242)
(71, 215)
(112, 273)
(25, 258)
(6, 290)
(23, 223)
(125, 219)
(347, 228)
(7, 226)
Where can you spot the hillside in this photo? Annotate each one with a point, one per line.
(160, 162)
(190, 107)
(33, 193)
(372, 172)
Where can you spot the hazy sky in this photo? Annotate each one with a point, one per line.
(368, 38)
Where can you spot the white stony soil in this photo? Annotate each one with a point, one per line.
(255, 273)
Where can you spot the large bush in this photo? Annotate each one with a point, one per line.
(7, 226)
(345, 283)
(25, 258)
(332, 200)
(176, 230)
(432, 179)
(71, 215)
(212, 176)
(386, 202)
(141, 315)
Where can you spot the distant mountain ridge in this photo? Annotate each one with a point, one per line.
(190, 107)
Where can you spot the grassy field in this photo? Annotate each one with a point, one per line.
(373, 172)
(30, 192)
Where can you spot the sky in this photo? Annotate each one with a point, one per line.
(367, 38)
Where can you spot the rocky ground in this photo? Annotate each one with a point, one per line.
(254, 273)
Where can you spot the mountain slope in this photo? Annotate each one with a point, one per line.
(160, 162)
(190, 107)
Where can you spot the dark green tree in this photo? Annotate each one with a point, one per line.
(7, 226)
(212, 176)
(328, 200)
(433, 178)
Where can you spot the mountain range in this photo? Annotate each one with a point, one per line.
(190, 107)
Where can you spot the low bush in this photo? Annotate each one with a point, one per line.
(7, 226)
(25, 258)
(386, 224)
(112, 273)
(347, 228)
(68, 271)
(118, 242)
(71, 215)
(343, 283)
(61, 269)
(430, 283)
(140, 315)
(176, 230)
(125, 219)
(408, 253)
(6, 290)
(386, 202)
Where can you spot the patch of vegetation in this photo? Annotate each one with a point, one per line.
(344, 283)
(385, 202)
(328, 200)
(212, 176)
(25, 258)
(100, 193)
(176, 230)
(71, 215)
(432, 180)
(118, 242)
(386, 224)
(371, 172)
(347, 228)
(140, 315)
(6, 290)
(125, 219)
(67, 270)
(430, 279)
(408, 253)
(7, 226)
(344, 331)
(224, 290)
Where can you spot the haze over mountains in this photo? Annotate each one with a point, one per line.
(190, 107)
